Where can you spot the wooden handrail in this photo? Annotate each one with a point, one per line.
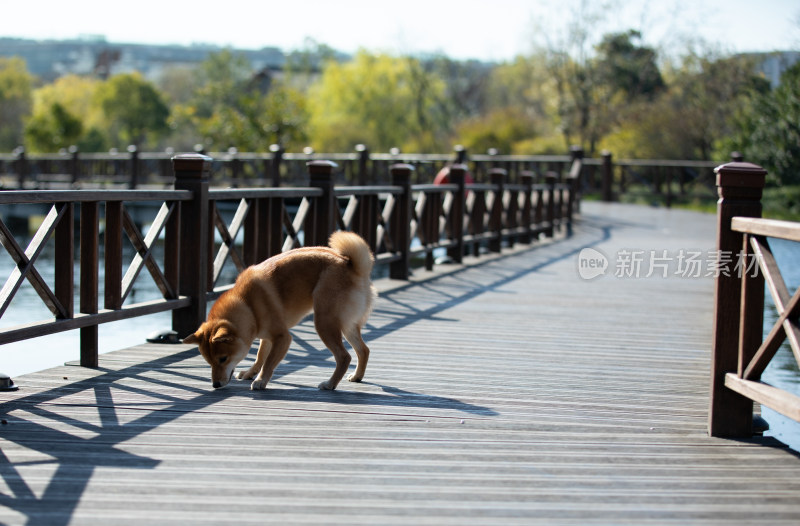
(788, 230)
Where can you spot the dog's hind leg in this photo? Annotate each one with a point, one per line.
(277, 351)
(331, 336)
(353, 335)
(263, 351)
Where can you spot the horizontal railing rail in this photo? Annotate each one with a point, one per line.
(199, 239)
(740, 352)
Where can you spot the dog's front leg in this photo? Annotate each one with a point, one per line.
(274, 352)
(263, 351)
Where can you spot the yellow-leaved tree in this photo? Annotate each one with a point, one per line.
(379, 100)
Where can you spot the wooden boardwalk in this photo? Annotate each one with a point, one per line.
(510, 391)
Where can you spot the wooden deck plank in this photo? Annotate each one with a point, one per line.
(510, 391)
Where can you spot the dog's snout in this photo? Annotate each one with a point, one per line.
(217, 385)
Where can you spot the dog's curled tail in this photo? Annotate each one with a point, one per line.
(353, 247)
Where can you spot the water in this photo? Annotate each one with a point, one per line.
(50, 351)
(783, 371)
(44, 352)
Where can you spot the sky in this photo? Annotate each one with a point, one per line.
(495, 30)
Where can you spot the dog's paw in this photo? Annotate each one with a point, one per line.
(326, 386)
(354, 378)
(258, 385)
(245, 375)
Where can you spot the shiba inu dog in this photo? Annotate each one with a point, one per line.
(273, 296)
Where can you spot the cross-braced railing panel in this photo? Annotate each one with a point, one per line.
(293, 227)
(756, 351)
(228, 234)
(787, 307)
(99, 256)
(361, 212)
(250, 225)
(25, 261)
(144, 252)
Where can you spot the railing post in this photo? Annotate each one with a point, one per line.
(321, 220)
(236, 166)
(497, 177)
(526, 180)
(550, 217)
(461, 154)
(74, 166)
(192, 173)
(275, 167)
(458, 174)
(21, 166)
(363, 160)
(133, 182)
(89, 243)
(401, 221)
(576, 178)
(608, 176)
(740, 186)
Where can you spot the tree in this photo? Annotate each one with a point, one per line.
(769, 132)
(709, 91)
(627, 67)
(691, 117)
(501, 129)
(379, 100)
(236, 107)
(68, 97)
(16, 89)
(135, 109)
(54, 130)
(310, 59)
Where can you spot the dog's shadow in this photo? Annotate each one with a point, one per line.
(311, 356)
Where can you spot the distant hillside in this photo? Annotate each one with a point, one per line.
(50, 59)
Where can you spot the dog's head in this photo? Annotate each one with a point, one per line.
(221, 347)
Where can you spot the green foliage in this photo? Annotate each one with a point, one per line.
(16, 99)
(56, 105)
(53, 130)
(134, 108)
(594, 92)
(233, 107)
(769, 129)
(689, 118)
(782, 203)
(379, 100)
(501, 129)
(629, 68)
(310, 59)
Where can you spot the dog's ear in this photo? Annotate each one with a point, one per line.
(192, 338)
(223, 335)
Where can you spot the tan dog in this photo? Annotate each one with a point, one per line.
(273, 296)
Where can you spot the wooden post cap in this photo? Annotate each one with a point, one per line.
(401, 167)
(741, 175)
(191, 163)
(321, 167)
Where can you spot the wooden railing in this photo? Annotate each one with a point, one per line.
(71, 169)
(203, 228)
(740, 353)
(655, 181)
